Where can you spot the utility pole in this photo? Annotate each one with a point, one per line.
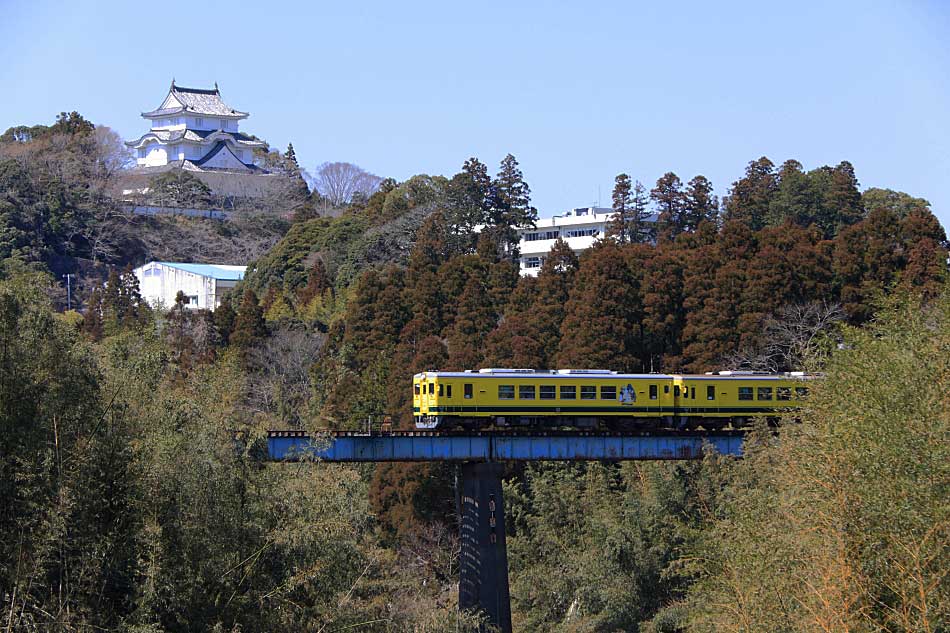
(69, 292)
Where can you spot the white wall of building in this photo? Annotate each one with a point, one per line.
(579, 228)
(159, 285)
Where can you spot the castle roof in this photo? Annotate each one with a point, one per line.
(204, 101)
(196, 136)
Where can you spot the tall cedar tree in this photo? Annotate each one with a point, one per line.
(700, 205)
(510, 208)
(468, 197)
(473, 321)
(318, 282)
(597, 330)
(663, 306)
(249, 327)
(622, 198)
(375, 314)
(223, 317)
(751, 196)
(555, 280)
(631, 213)
(711, 330)
(670, 205)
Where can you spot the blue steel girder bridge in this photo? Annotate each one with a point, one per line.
(483, 569)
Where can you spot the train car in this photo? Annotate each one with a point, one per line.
(597, 398)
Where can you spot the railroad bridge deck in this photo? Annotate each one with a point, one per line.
(426, 446)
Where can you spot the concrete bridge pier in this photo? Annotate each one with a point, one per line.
(483, 575)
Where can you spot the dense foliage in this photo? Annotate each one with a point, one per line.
(130, 439)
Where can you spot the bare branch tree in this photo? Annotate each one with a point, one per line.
(339, 182)
(791, 338)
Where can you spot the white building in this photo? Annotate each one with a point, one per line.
(195, 130)
(202, 284)
(580, 228)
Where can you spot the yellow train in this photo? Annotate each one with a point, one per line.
(596, 398)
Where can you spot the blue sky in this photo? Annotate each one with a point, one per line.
(578, 93)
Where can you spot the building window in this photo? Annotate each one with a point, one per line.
(467, 391)
(199, 122)
(192, 300)
(541, 235)
(653, 392)
(506, 392)
(568, 392)
(765, 393)
(745, 393)
(532, 262)
(588, 392)
(526, 392)
(608, 393)
(582, 232)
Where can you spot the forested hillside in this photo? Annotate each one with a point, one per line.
(136, 500)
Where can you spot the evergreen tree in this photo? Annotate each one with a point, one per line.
(596, 331)
(473, 321)
(842, 204)
(553, 288)
(291, 155)
(92, 316)
(249, 328)
(622, 198)
(510, 208)
(318, 282)
(794, 198)
(699, 203)
(751, 196)
(670, 205)
(468, 197)
(224, 317)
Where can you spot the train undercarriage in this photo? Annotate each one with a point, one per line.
(611, 423)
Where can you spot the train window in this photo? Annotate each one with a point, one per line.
(431, 388)
(467, 390)
(415, 389)
(745, 393)
(710, 392)
(441, 390)
(506, 392)
(653, 392)
(547, 392)
(765, 393)
(666, 388)
(676, 391)
(588, 392)
(783, 393)
(801, 393)
(526, 392)
(448, 391)
(692, 392)
(608, 392)
(568, 392)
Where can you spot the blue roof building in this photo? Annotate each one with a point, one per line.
(202, 284)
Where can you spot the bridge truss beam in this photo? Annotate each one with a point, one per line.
(414, 446)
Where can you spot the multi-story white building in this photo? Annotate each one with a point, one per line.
(196, 130)
(579, 227)
(202, 284)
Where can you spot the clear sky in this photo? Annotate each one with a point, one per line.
(577, 91)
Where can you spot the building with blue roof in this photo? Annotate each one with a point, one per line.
(202, 284)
